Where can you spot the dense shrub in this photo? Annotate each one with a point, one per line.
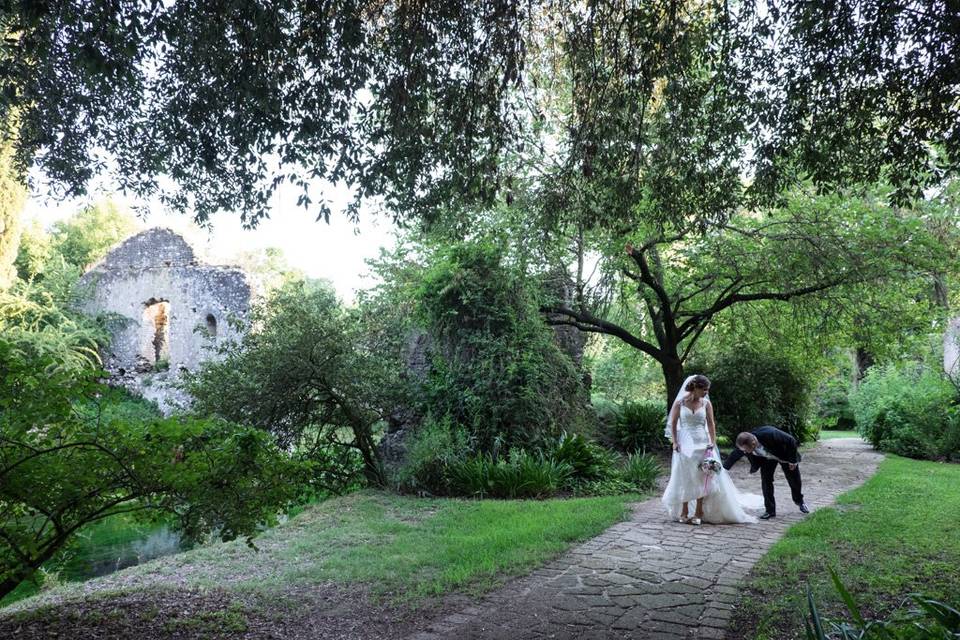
(910, 410)
(607, 412)
(304, 372)
(519, 475)
(641, 470)
(495, 367)
(750, 388)
(431, 453)
(588, 460)
(639, 427)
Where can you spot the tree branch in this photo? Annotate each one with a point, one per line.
(585, 321)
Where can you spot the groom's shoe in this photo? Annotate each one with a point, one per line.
(767, 515)
(803, 508)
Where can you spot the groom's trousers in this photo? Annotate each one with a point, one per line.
(767, 469)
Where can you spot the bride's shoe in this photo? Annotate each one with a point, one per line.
(683, 520)
(694, 521)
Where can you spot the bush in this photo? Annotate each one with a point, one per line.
(750, 388)
(495, 366)
(641, 470)
(640, 427)
(910, 410)
(588, 460)
(607, 412)
(521, 475)
(432, 452)
(305, 373)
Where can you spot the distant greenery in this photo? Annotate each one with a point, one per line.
(833, 409)
(833, 434)
(891, 537)
(909, 409)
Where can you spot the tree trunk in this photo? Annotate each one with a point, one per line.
(673, 376)
(863, 361)
(372, 465)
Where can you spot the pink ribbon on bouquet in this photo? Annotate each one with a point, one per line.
(706, 476)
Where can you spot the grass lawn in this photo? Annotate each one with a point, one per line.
(895, 535)
(831, 435)
(401, 548)
(415, 547)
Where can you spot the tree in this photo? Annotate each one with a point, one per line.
(35, 250)
(866, 91)
(65, 462)
(303, 373)
(678, 281)
(12, 197)
(430, 105)
(89, 234)
(269, 268)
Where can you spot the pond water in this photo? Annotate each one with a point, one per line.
(101, 549)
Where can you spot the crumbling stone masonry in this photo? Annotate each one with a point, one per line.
(170, 310)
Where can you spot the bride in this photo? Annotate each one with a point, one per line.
(691, 428)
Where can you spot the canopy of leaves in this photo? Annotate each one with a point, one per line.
(12, 196)
(426, 105)
(88, 235)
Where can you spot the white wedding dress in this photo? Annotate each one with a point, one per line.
(722, 503)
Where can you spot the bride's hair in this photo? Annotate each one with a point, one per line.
(698, 382)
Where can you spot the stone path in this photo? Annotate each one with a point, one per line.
(650, 578)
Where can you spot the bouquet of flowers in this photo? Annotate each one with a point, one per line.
(710, 463)
(710, 466)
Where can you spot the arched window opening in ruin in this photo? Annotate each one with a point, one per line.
(212, 325)
(155, 332)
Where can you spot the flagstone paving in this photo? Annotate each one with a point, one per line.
(651, 578)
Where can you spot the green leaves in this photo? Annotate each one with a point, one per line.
(303, 372)
(73, 452)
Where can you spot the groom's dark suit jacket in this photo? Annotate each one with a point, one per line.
(776, 442)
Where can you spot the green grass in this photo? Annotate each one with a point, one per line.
(414, 548)
(832, 435)
(895, 535)
(400, 547)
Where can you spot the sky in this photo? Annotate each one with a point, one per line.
(334, 251)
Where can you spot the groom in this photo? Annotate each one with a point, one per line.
(767, 447)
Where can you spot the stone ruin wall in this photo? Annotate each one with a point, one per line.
(170, 311)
